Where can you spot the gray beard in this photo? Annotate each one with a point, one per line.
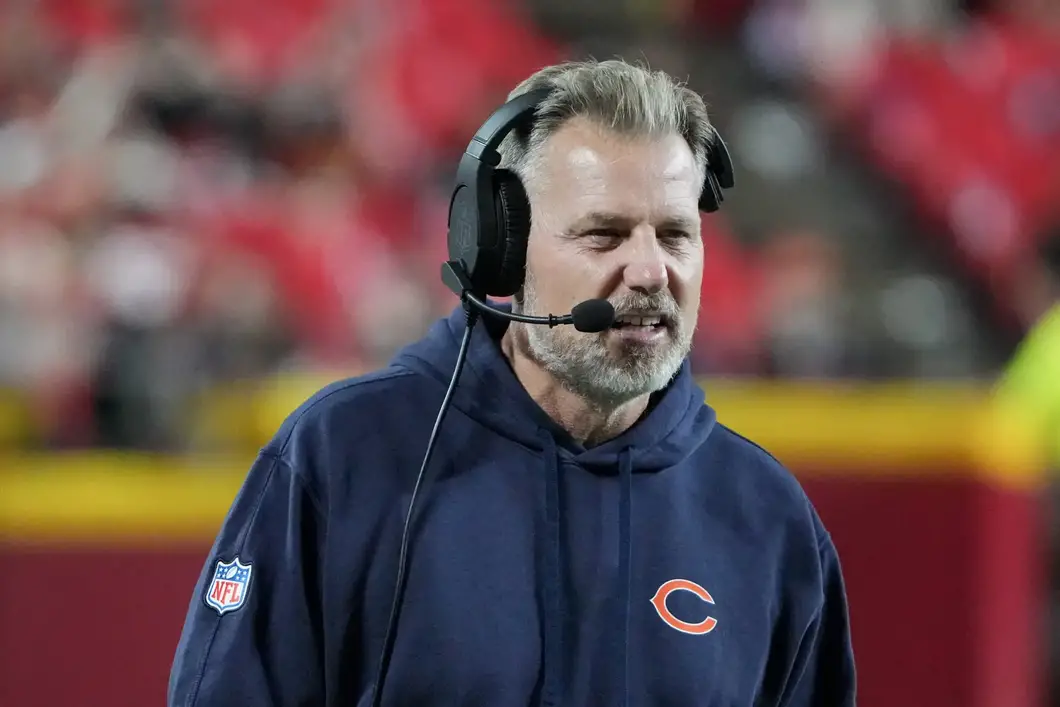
(583, 364)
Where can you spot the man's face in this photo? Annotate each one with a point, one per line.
(614, 217)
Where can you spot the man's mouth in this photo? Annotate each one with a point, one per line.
(640, 321)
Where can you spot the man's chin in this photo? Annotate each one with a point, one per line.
(638, 377)
(611, 369)
(640, 357)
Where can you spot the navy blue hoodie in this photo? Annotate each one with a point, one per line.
(678, 564)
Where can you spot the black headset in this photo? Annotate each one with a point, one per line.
(489, 212)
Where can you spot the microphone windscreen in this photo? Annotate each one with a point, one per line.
(593, 315)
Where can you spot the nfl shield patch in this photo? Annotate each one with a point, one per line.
(228, 590)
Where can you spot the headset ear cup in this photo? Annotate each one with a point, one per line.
(513, 217)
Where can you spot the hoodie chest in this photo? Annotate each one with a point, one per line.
(687, 615)
(470, 629)
(704, 601)
(512, 577)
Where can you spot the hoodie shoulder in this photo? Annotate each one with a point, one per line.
(344, 400)
(762, 474)
(335, 421)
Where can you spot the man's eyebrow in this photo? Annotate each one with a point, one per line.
(603, 219)
(678, 223)
(609, 220)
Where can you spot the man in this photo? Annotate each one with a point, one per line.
(592, 535)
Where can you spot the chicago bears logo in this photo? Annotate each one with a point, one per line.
(683, 585)
(228, 590)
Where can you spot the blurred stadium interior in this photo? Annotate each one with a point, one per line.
(210, 208)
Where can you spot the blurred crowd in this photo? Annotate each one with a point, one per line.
(192, 192)
(195, 191)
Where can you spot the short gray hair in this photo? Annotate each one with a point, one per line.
(627, 98)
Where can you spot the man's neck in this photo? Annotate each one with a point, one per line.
(588, 423)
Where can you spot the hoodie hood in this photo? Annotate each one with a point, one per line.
(490, 393)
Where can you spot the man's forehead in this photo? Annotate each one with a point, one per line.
(608, 180)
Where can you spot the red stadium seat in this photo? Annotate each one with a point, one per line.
(77, 25)
(972, 128)
(260, 42)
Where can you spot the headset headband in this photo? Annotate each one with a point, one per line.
(491, 134)
(503, 120)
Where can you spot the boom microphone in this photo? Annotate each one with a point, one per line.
(590, 316)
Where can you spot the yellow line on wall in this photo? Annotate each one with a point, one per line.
(889, 431)
(94, 496)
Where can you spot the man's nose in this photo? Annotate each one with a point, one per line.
(646, 270)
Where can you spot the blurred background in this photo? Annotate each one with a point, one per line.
(208, 209)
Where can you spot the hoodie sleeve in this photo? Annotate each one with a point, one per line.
(253, 631)
(823, 674)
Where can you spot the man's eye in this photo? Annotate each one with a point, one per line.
(674, 236)
(604, 234)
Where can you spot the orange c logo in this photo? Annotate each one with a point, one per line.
(674, 585)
